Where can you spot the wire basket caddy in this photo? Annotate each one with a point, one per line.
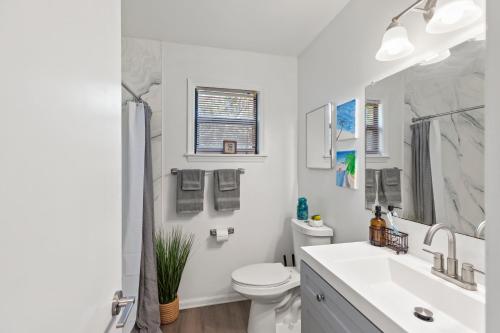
(395, 240)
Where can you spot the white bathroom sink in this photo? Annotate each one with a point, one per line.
(387, 287)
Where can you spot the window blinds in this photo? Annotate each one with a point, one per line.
(373, 128)
(225, 114)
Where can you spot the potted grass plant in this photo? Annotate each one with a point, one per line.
(172, 251)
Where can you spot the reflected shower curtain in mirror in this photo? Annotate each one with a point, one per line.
(423, 197)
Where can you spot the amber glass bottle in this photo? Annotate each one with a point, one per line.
(377, 228)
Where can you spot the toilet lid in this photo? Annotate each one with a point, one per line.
(268, 274)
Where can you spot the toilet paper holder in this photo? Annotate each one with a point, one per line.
(213, 232)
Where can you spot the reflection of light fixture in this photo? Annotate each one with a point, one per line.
(395, 44)
(480, 37)
(435, 58)
(441, 15)
(451, 15)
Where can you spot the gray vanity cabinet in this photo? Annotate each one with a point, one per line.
(324, 310)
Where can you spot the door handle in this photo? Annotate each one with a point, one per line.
(120, 302)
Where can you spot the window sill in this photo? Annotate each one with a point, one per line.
(377, 158)
(225, 157)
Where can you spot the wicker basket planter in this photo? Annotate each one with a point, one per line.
(169, 312)
(172, 252)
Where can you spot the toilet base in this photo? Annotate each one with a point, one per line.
(292, 328)
(262, 318)
(281, 317)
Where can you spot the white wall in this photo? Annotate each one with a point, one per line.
(268, 187)
(492, 167)
(338, 66)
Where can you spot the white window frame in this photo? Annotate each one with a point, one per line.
(191, 118)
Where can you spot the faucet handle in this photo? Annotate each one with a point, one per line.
(468, 273)
(438, 260)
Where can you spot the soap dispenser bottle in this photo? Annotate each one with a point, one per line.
(377, 228)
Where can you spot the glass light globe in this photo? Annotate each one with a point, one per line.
(451, 15)
(395, 44)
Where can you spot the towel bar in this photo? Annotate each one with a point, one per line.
(174, 171)
(213, 232)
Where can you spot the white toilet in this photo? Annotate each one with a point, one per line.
(274, 289)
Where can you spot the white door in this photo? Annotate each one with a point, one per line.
(60, 165)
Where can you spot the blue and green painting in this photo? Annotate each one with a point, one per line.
(346, 169)
(346, 121)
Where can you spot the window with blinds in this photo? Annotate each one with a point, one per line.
(225, 114)
(374, 128)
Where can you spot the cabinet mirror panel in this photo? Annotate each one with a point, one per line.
(424, 130)
(319, 137)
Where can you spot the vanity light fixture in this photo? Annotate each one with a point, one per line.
(435, 58)
(442, 16)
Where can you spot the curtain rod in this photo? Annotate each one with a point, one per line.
(137, 98)
(414, 120)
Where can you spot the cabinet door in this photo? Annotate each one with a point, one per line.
(326, 310)
(314, 320)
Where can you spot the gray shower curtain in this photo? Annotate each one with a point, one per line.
(148, 309)
(423, 196)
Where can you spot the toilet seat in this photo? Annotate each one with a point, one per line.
(289, 277)
(262, 275)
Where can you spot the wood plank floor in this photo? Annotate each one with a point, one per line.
(222, 318)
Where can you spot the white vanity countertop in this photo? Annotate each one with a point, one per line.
(386, 287)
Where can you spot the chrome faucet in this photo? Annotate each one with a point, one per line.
(452, 267)
(465, 281)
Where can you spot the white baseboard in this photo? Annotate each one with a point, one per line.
(205, 301)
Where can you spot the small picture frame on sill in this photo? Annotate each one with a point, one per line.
(229, 147)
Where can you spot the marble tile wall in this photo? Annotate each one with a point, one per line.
(455, 83)
(142, 72)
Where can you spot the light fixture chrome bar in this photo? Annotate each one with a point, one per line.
(407, 10)
(137, 98)
(414, 120)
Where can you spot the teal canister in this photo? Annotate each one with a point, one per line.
(302, 209)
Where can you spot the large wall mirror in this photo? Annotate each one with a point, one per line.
(319, 137)
(425, 141)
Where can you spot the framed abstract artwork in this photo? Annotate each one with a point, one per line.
(346, 122)
(345, 169)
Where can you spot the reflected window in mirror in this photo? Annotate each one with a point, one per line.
(374, 132)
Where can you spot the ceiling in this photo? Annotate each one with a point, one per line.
(284, 27)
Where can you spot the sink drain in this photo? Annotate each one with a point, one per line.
(423, 314)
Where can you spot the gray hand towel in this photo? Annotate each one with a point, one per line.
(382, 200)
(370, 186)
(390, 181)
(190, 199)
(227, 191)
(227, 180)
(191, 180)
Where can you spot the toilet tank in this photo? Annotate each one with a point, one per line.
(305, 235)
